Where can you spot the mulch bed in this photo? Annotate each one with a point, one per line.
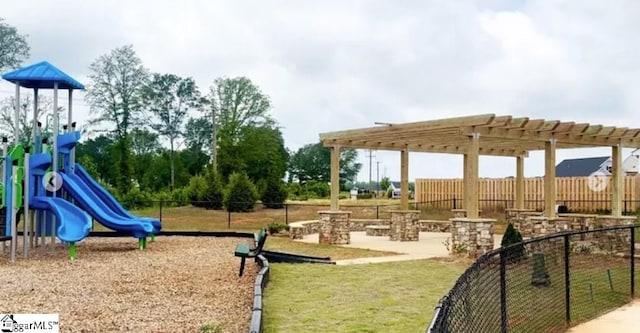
(177, 284)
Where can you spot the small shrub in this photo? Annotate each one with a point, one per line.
(211, 328)
(513, 236)
(179, 197)
(136, 199)
(364, 196)
(241, 194)
(317, 189)
(276, 227)
(196, 190)
(389, 194)
(213, 195)
(274, 194)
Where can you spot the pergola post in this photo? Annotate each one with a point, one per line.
(335, 178)
(471, 176)
(519, 182)
(617, 179)
(465, 180)
(550, 178)
(404, 179)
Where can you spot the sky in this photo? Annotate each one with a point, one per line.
(333, 65)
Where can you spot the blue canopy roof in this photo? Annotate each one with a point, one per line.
(42, 75)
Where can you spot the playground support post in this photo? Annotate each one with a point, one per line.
(13, 211)
(33, 240)
(5, 141)
(54, 151)
(71, 126)
(43, 215)
(26, 226)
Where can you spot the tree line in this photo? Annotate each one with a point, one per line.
(158, 136)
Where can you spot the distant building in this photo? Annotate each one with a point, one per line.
(584, 167)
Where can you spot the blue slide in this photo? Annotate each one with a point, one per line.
(109, 200)
(73, 224)
(87, 200)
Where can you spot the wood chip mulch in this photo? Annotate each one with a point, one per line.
(177, 284)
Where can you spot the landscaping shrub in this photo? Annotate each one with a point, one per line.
(365, 196)
(317, 189)
(241, 194)
(294, 189)
(136, 199)
(274, 194)
(513, 236)
(276, 227)
(180, 197)
(213, 195)
(196, 190)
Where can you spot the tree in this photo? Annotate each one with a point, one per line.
(235, 104)
(145, 147)
(13, 47)
(168, 98)
(116, 82)
(385, 183)
(198, 134)
(7, 114)
(101, 150)
(214, 193)
(313, 162)
(260, 153)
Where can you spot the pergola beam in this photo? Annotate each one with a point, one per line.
(426, 148)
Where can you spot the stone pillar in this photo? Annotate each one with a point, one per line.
(334, 227)
(544, 225)
(460, 212)
(475, 236)
(404, 225)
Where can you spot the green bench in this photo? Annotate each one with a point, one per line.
(244, 251)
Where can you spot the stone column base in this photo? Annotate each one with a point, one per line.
(473, 236)
(614, 240)
(404, 225)
(334, 227)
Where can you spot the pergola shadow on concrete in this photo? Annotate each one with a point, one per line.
(486, 134)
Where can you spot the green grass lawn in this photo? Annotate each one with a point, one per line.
(386, 297)
(321, 250)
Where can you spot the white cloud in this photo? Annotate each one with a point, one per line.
(344, 64)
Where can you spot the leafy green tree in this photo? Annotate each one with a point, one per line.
(313, 162)
(260, 153)
(168, 98)
(101, 150)
(233, 105)
(196, 190)
(385, 182)
(241, 194)
(89, 164)
(14, 48)
(275, 193)
(145, 147)
(116, 83)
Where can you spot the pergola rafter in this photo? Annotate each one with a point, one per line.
(488, 134)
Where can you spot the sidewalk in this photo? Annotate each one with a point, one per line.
(430, 245)
(622, 320)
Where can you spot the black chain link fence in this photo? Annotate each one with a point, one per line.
(544, 284)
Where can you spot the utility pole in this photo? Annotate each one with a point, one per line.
(214, 139)
(378, 175)
(371, 156)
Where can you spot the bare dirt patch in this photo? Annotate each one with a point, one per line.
(177, 284)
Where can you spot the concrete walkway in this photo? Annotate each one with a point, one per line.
(430, 245)
(621, 320)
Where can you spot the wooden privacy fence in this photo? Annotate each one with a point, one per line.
(583, 194)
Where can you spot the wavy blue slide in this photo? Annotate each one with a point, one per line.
(87, 200)
(73, 224)
(109, 200)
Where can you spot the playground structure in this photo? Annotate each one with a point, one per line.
(55, 197)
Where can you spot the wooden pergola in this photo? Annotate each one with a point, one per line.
(486, 134)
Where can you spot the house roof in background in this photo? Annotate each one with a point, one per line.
(579, 167)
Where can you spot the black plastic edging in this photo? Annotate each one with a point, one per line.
(262, 279)
(178, 233)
